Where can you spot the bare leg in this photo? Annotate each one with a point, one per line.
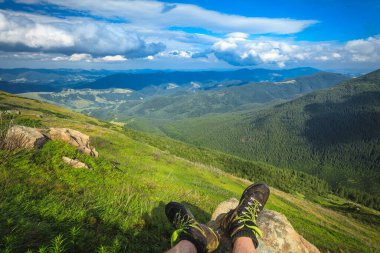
(183, 246)
(243, 245)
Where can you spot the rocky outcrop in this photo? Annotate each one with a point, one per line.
(74, 163)
(15, 112)
(278, 233)
(23, 137)
(27, 137)
(75, 138)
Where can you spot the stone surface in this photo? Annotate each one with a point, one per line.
(17, 112)
(278, 233)
(23, 137)
(75, 138)
(74, 163)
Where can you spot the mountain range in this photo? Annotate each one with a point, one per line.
(170, 101)
(314, 123)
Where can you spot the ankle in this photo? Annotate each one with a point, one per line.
(244, 235)
(243, 245)
(183, 246)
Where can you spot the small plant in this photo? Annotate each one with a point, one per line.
(43, 249)
(74, 234)
(57, 245)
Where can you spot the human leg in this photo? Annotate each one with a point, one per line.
(183, 246)
(187, 229)
(243, 245)
(241, 222)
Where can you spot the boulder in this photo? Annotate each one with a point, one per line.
(75, 138)
(16, 112)
(23, 137)
(278, 233)
(74, 163)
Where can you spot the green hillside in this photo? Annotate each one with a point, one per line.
(117, 206)
(332, 133)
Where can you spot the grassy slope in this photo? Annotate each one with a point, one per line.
(122, 208)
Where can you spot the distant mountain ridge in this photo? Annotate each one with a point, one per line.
(230, 99)
(172, 101)
(139, 81)
(22, 80)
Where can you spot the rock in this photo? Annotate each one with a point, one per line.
(17, 112)
(75, 138)
(278, 233)
(74, 163)
(23, 137)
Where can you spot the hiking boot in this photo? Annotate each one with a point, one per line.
(241, 221)
(187, 228)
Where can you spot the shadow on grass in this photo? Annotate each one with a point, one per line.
(24, 230)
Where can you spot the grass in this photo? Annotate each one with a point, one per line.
(118, 205)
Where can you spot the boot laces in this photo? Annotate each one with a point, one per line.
(251, 211)
(182, 221)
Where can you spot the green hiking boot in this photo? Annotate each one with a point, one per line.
(241, 221)
(187, 228)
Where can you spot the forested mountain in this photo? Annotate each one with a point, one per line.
(170, 101)
(38, 80)
(230, 99)
(332, 133)
(26, 87)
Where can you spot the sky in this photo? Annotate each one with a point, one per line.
(190, 34)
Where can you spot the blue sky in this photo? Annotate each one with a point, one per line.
(126, 34)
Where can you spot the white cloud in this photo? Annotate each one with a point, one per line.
(239, 50)
(89, 58)
(336, 55)
(60, 58)
(164, 15)
(27, 32)
(238, 35)
(364, 50)
(14, 30)
(80, 57)
(113, 58)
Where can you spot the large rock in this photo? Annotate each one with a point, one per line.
(23, 137)
(16, 112)
(278, 233)
(74, 163)
(75, 138)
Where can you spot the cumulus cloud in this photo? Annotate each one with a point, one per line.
(164, 15)
(239, 50)
(364, 49)
(114, 58)
(16, 30)
(80, 57)
(20, 32)
(89, 58)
